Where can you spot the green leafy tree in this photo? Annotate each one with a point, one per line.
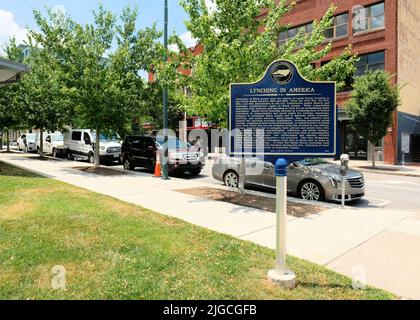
(136, 52)
(41, 98)
(13, 52)
(239, 43)
(9, 113)
(10, 117)
(373, 101)
(153, 106)
(105, 93)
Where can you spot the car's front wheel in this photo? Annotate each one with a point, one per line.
(231, 179)
(311, 190)
(91, 158)
(127, 164)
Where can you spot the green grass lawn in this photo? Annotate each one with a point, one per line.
(114, 250)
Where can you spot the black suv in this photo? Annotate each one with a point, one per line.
(142, 151)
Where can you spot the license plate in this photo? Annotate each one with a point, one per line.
(116, 155)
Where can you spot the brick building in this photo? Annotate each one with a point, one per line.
(385, 36)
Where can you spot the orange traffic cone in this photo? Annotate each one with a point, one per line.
(158, 172)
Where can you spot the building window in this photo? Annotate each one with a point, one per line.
(292, 32)
(371, 61)
(340, 27)
(369, 18)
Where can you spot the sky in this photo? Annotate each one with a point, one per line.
(16, 15)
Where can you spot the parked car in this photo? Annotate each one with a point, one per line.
(309, 179)
(30, 142)
(142, 151)
(53, 143)
(80, 144)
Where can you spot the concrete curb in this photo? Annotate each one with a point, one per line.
(402, 174)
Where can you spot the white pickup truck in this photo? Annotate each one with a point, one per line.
(53, 144)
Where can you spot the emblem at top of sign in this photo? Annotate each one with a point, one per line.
(282, 72)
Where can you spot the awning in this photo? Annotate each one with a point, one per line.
(11, 71)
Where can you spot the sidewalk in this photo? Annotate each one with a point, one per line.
(384, 243)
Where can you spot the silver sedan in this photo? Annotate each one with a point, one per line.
(310, 179)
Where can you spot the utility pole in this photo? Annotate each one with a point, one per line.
(165, 175)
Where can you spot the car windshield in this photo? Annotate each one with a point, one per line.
(104, 138)
(312, 162)
(173, 143)
(57, 138)
(30, 137)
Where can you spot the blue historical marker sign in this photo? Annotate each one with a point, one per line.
(298, 117)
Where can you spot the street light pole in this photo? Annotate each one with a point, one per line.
(165, 174)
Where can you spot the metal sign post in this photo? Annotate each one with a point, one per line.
(165, 175)
(281, 276)
(343, 170)
(242, 174)
(343, 193)
(298, 119)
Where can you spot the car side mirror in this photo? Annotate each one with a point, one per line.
(87, 141)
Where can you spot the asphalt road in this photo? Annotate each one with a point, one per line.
(391, 192)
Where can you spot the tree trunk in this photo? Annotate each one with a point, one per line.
(185, 128)
(96, 150)
(372, 151)
(41, 143)
(8, 140)
(1, 140)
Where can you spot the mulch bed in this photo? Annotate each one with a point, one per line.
(101, 171)
(294, 209)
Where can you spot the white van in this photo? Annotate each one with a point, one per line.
(80, 143)
(30, 142)
(53, 143)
